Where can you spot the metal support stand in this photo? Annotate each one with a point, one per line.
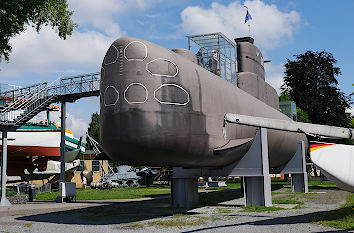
(184, 188)
(297, 168)
(4, 200)
(62, 150)
(255, 166)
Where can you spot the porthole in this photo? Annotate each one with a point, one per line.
(136, 93)
(111, 55)
(111, 96)
(162, 67)
(135, 51)
(172, 94)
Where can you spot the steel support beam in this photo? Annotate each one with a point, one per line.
(4, 200)
(297, 168)
(62, 141)
(62, 152)
(299, 181)
(257, 187)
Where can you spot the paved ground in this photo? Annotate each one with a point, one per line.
(156, 215)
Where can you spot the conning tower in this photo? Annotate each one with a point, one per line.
(251, 74)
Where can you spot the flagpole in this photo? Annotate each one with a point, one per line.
(248, 22)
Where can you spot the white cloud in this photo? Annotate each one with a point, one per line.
(350, 110)
(46, 52)
(269, 26)
(74, 121)
(101, 14)
(275, 75)
(77, 124)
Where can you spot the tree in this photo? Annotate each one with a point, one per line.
(351, 123)
(310, 80)
(302, 116)
(15, 15)
(93, 129)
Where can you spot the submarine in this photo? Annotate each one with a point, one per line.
(158, 107)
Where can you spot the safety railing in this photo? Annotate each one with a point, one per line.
(11, 100)
(39, 98)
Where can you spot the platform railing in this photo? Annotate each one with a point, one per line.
(10, 100)
(29, 105)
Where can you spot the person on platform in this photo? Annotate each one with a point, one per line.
(213, 61)
(200, 57)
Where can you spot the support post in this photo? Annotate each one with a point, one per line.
(297, 168)
(299, 181)
(62, 142)
(184, 188)
(62, 152)
(257, 188)
(4, 200)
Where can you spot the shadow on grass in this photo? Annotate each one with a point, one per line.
(215, 197)
(110, 213)
(115, 212)
(317, 187)
(340, 218)
(305, 218)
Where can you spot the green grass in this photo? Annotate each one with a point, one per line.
(10, 193)
(342, 218)
(287, 202)
(229, 186)
(117, 193)
(256, 208)
(298, 203)
(179, 222)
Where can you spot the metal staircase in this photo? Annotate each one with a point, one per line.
(20, 105)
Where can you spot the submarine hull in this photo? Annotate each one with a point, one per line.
(160, 109)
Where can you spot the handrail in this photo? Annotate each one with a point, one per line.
(24, 108)
(23, 88)
(17, 101)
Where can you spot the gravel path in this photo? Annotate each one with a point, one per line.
(156, 215)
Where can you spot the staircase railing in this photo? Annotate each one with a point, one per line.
(13, 98)
(23, 109)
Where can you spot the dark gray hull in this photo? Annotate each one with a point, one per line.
(179, 121)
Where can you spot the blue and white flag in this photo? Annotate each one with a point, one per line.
(248, 17)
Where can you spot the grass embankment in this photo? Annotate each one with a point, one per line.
(116, 193)
(342, 218)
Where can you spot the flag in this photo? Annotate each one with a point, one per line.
(248, 17)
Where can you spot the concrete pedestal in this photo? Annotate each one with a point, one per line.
(184, 192)
(257, 191)
(298, 183)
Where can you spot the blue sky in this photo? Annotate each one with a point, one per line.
(280, 28)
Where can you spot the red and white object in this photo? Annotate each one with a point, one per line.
(336, 162)
(33, 143)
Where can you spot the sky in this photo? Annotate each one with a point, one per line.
(281, 29)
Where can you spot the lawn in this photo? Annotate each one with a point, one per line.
(342, 218)
(132, 193)
(116, 193)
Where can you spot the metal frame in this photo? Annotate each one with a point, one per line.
(227, 53)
